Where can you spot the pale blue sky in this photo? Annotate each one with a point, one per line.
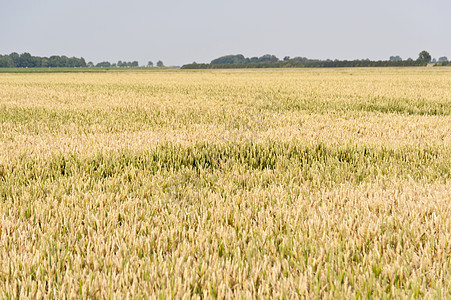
(179, 32)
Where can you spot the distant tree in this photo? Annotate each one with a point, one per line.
(443, 59)
(395, 58)
(433, 61)
(268, 57)
(64, 61)
(160, 64)
(150, 64)
(15, 57)
(82, 62)
(6, 62)
(424, 57)
(253, 60)
(134, 64)
(44, 63)
(104, 64)
(229, 59)
(54, 61)
(299, 59)
(26, 61)
(286, 58)
(90, 64)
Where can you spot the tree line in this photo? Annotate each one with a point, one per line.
(26, 60)
(271, 61)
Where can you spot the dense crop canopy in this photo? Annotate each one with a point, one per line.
(314, 183)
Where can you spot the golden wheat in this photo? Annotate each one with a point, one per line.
(268, 183)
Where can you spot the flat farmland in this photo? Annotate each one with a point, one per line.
(331, 183)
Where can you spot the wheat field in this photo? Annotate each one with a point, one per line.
(226, 184)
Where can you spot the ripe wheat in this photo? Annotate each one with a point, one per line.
(275, 183)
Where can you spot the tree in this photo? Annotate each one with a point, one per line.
(268, 57)
(300, 59)
(424, 57)
(104, 64)
(6, 62)
(253, 60)
(150, 64)
(160, 64)
(229, 59)
(44, 62)
(15, 59)
(443, 59)
(82, 63)
(26, 61)
(286, 58)
(395, 58)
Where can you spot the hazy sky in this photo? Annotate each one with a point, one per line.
(179, 32)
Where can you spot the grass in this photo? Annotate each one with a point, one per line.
(268, 183)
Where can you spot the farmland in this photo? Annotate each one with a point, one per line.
(256, 183)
